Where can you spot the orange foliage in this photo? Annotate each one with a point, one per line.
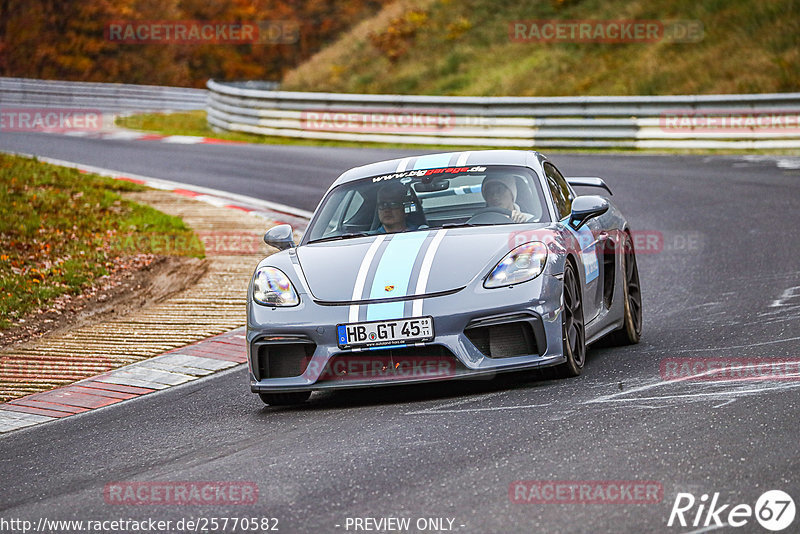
(66, 39)
(395, 40)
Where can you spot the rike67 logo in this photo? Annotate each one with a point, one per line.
(774, 510)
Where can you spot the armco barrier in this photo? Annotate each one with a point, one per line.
(107, 97)
(762, 121)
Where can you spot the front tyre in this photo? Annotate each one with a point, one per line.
(631, 330)
(285, 399)
(572, 327)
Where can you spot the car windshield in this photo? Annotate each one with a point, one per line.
(429, 198)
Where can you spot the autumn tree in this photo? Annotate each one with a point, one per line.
(66, 39)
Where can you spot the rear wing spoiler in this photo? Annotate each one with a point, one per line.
(588, 181)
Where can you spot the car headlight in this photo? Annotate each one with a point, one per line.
(271, 287)
(524, 263)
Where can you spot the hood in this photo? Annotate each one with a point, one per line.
(400, 265)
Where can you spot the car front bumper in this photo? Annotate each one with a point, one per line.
(296, 349)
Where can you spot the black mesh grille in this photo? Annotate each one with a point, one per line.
(283, 360)
(504, 340)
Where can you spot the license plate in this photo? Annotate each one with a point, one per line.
(379, 333)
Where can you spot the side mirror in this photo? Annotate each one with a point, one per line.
(584, 208)
(280, 237)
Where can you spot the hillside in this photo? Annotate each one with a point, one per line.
(465, 48)
(82, 40)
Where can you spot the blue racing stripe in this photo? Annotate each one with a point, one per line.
(394, 269)
(434, 161)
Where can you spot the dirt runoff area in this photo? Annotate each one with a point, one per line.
(135, 282)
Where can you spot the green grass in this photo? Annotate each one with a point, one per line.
(60, 230)
(181, 123)
(464, 48)
(194, 123)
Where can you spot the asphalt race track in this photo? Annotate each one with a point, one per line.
(724, 282)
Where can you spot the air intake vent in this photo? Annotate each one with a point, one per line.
(503, 340)
(283, 360)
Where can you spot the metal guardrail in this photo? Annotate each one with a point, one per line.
(760, 121)
(106, 97)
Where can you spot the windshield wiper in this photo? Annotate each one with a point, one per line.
(463, 225)
(338, 237)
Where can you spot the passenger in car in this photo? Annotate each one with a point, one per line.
(391, 209)
(501, 192)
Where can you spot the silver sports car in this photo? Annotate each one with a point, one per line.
(441, 267)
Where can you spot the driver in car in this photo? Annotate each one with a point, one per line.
(391, 210)
(501, 192)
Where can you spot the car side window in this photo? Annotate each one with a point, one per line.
(562, 196)
(334, 214)
(354, 205)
